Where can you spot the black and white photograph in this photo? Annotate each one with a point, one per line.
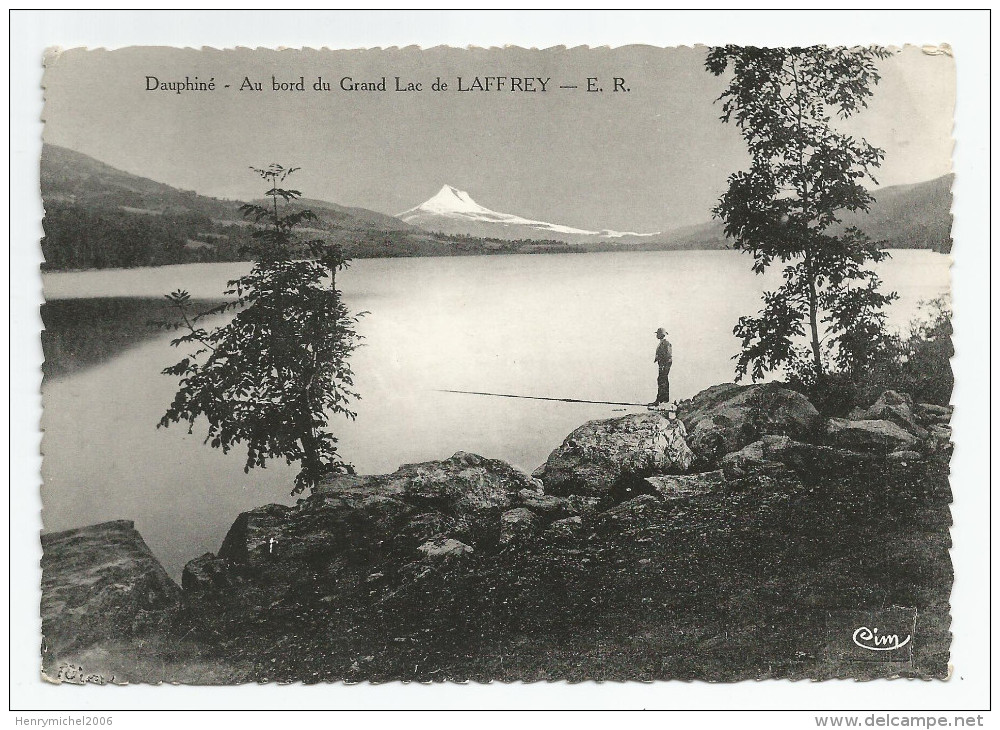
(464, 365)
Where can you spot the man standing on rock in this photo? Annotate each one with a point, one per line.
(664, 359)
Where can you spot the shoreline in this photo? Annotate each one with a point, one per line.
(46, 272)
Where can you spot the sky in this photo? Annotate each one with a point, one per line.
(648, 159)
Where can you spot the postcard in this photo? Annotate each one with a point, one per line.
(496, 364)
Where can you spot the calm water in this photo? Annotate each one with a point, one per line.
(578, 326)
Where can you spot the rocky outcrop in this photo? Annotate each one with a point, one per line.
(876, 435)
(778, 454)
(351, 526)
(102, 583)
(360, 517)
(599, 455)
(318, 528)
(462, 484)
(725, 418)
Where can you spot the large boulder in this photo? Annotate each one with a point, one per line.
(352, 525)
(599, 455)
(459, 485)
(360, 517)
(725, 418)
(102, 583)
(879, 436)
(318, 528)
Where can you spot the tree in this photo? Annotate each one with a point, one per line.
(273, 375)
(785, 207)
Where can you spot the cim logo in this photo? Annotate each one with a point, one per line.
(872, 640)
(871, 635)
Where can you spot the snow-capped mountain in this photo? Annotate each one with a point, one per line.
(453, 211)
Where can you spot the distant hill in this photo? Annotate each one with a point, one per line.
(97, 216)
(902, 216)
(910, 216)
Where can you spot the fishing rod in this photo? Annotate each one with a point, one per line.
(538, 397)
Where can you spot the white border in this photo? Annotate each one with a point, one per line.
(32, 31)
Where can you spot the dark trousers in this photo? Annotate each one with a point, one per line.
(663, 385)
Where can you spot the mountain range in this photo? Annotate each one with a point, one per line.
(97, 216)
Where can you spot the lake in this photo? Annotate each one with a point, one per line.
(565, 326)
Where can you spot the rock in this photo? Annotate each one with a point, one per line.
(249, 537)
(459, 485)
(775, 455)
(905, 456)
(876, 435)
(566, 528)
(422, 527)
(207, 574)
(894, 407)
(725, 418)
(599, 454)
(894, 398)
(928, 413)
(749, 460)
(359, 517)
(444, 548)
(686, 485)
(318, 529)
(101, 582)
(517, 525)
(939, 439)
(551, 507)
(940, 432)
(810, 459)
